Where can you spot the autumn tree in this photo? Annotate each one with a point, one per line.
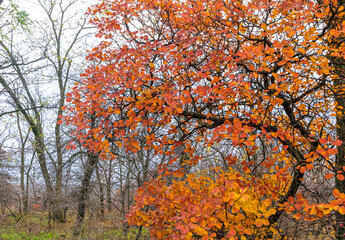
(249, 73)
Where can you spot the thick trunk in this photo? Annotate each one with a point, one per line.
(339, 86)
(340, 157)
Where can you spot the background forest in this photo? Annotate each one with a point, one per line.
(42, 54)
(172, 119)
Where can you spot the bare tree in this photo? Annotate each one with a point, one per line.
(53, 55)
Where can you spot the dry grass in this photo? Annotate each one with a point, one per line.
(35, 226)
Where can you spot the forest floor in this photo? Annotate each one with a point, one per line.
(35, 226)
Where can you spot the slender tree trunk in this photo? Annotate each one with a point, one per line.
(108, 188)
(36, 128)
(58, 214)
(123, 192)
(3, 208)
(22, 182)
(101, 193)
(26, 196)
(23, 141)
(84, 192)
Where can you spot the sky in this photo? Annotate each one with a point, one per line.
(36, 13)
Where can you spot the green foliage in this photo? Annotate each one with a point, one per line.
(20, 17)
(13, 17)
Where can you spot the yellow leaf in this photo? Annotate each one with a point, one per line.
(201, 232)
(342, 210)
(264, 26)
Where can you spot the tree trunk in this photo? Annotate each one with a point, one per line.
(340, 163)
(23, 141)
(339, 85)
(108, 188)
(84, 192)
(340, 157)
(101, 193)
(58, 214)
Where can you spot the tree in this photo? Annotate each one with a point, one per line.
(335, 25)
(51, 53)
(211, 72)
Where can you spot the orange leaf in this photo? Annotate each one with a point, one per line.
(337, 142)
(298, 206)
(329, 176)
(231, 233)
(342, 210)
(282, 62)
(340, 177)
(249, 143)
(332, 151)
(336, 193)
(179, 110)
(302, 169)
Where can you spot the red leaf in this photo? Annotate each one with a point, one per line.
(332, 151)
(337, 142)
(329, 176)
(340, 177)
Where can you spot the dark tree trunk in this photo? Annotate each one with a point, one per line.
(84, 192)
(340, 157)
(339, 85)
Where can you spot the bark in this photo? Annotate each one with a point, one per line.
(334, 22)
(101, 193)
(108, 188)
(91, 163)
(340, 157)
(23, 187)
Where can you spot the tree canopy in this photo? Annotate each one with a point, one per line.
(258, 77)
